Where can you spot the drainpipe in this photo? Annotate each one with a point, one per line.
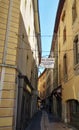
(6, 44)
(7, 30)
(16, 82)
(16, 103)
(4, 65)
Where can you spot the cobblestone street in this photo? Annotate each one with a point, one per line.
(44, 121)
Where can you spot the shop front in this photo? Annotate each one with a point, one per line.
(57, 101)
(73, 112)
(23, 102)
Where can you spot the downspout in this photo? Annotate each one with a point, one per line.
(16, 83)
(4, 65)
(7, 30)
(16, 103)
(6, 44)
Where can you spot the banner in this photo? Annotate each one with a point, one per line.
(47, 62)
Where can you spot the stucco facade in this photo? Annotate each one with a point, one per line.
(20, 53)
(67, 31)
(9, 24)
(45, 87)
(42, 85)
(69, 80)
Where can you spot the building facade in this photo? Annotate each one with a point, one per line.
(56, 90)
(49, 88)
(45, 87)
(20, 53)
(9, 25)
(69, 61)
(67, 31)
(42, 85)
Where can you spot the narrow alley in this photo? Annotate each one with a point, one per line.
(45, 121)
(39, 64)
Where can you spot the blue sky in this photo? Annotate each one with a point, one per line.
(47, 11)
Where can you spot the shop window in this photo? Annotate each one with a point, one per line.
(74, 106)
(76, 50)
(74, 11)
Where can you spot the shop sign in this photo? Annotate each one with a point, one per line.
(47, 62)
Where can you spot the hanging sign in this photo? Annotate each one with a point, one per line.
(47, 62)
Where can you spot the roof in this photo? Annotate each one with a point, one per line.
(42, 74)
(57, 21)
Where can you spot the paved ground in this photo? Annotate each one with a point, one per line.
(44, 121)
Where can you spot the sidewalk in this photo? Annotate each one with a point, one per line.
(53, 123)
(35, 122)
(44, 121)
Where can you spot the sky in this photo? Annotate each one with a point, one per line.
(47, 11)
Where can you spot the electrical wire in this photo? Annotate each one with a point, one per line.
(48, 51)
(36, 50)
(46, 35)
(44, 51)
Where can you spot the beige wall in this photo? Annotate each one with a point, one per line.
(17, 54)
(11, 43)
(25, 57)
(49, 82)
(9, 23)
(70, 87)
(42, 85)
(30, 23)
(45, 83)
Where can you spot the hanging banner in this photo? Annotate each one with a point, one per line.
(47, 62)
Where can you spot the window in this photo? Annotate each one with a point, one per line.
(63, 15)
(44, 85)
(74, 106)
(30, 8)
(59, 73)
(65, 65)
(76, 50)
(64, 34)
(27, 57)
(74, 11)
(25, 3)
(29, 31)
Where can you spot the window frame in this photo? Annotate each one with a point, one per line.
(64, 34)
(65, 69)
(76, 50)
(74, 12)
